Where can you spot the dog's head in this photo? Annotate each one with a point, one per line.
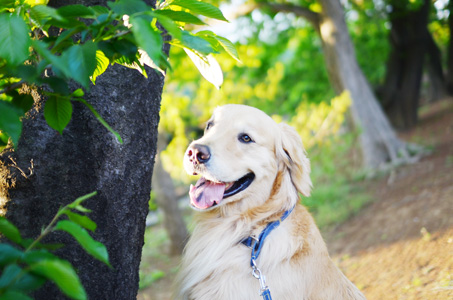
(240, 156)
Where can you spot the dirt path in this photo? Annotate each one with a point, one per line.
(401, 246)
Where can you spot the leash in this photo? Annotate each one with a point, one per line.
(256, 243)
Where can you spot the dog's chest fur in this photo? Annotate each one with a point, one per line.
(215, 268)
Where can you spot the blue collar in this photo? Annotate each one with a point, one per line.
(256, 243)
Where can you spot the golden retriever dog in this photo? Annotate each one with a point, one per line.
(253, 239)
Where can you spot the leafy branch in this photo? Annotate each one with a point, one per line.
(27, 264)
(45, 48)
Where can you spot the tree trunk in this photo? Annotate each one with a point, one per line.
(450, 51)
(88, 158)
(378, 140)
(437, 87)
(409, 39)
(167, 201)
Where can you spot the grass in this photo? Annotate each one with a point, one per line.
(336, 194)
(332, 204)
(154, 257)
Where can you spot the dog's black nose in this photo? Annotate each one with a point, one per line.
(198, 154)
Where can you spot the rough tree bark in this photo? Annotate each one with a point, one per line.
(438, 86)
(88, 158)
(409, 39)
(379, 142)
(167, 200)
(449, 78)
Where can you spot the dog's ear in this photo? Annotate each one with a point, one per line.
(292, 152)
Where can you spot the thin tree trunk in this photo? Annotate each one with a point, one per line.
(88, 158)
(378, 139)
(410, 39)
(379, 142)
(437, 88)
(167, 200)
(450, 51)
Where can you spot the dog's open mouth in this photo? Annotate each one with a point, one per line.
(206, 194)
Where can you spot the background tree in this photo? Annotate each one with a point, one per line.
(450, 50)
(167, 200)
(379, 142)
(410, 42)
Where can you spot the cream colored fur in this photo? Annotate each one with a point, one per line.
(294, 257)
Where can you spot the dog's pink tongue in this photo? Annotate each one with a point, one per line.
(205, 193)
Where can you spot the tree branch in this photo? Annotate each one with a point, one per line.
(307, 14)
(300, 11)
(12, 87)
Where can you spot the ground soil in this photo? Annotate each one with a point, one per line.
(401, 245)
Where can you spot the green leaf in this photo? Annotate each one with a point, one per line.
(22, 280)
(180, 16)
(40, 14)
(28, 73)
(81, 62)
(94, 248)
(64, 22)
(9, 230)
(168, 24)
(137, 63)
(102, 62)
(82, 209)
(10, 121)
(9, 254)
(58, 112)
(14, 39)
(64, 39)
(14, 295)
(194, 43)
(128, 7)
(76, 11)
(10, 274)
(226, 44)
(63, 275)
(78, 93)
(36, 2)
(147, 38)
(125, 48)
(57, 84)
(58, 64)
(23, 102)
(28, 282)
(201, 8)
(5, 4)
(35, 256)
(79, 200)
(100, 119)
(26, 243)
(209, 68)
(100, 10)
(3, 140)
(14, 278)
(83, 221)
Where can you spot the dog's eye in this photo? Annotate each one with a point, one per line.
(209, 125)
(245, 138)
